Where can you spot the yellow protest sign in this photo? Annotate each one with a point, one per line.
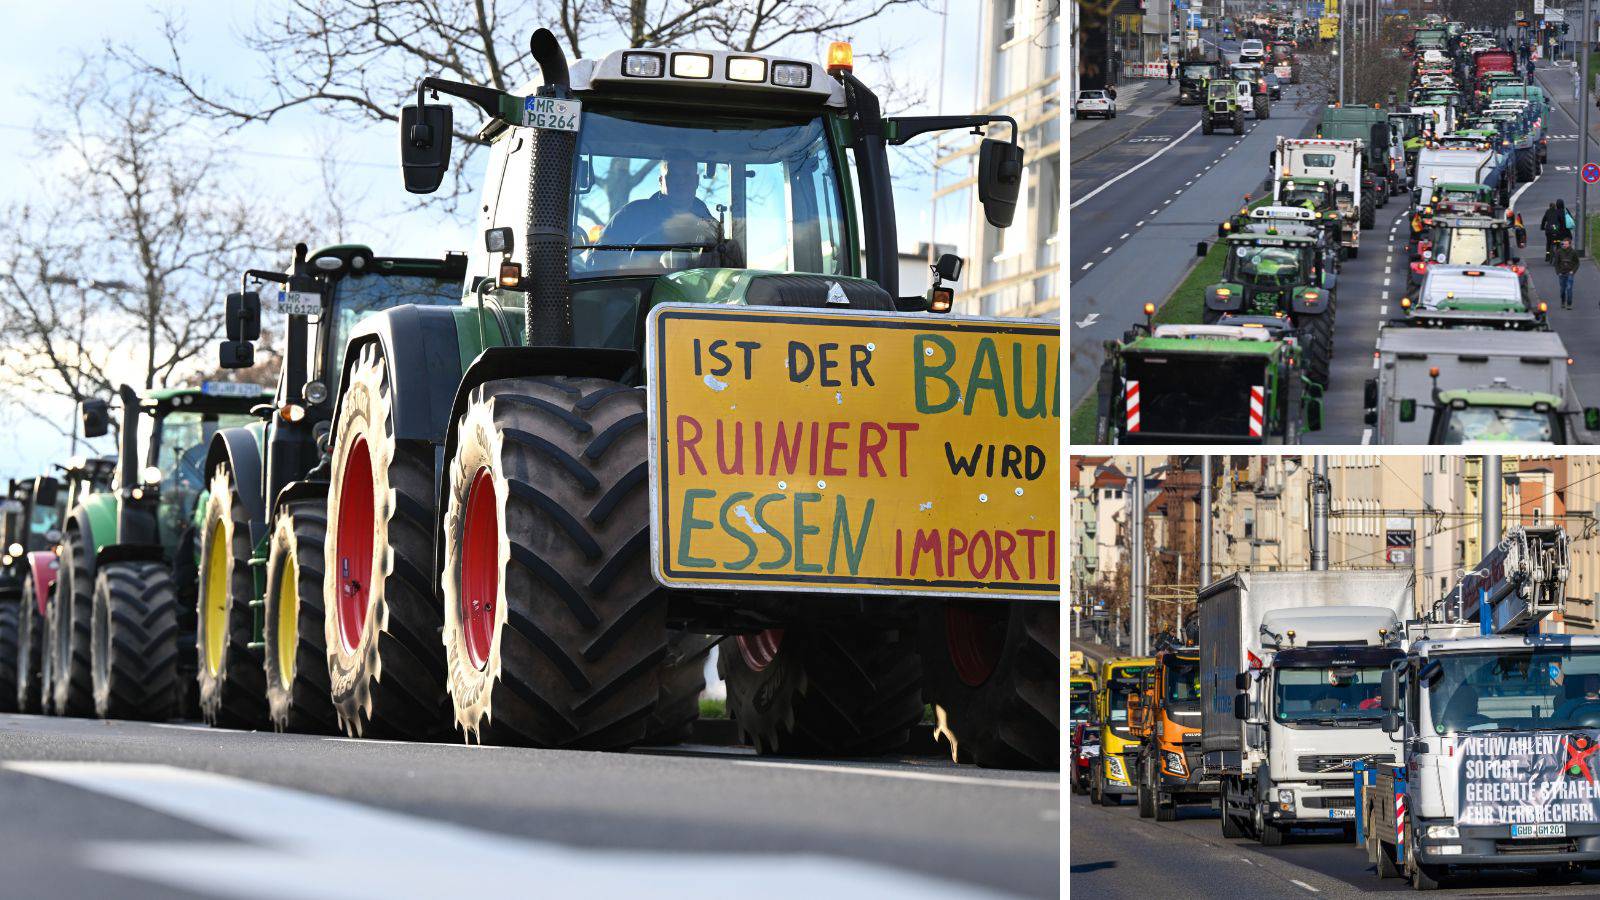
(822, 450)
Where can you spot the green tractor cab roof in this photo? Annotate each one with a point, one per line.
(1270, 240)
(359, 258)
(203, 395)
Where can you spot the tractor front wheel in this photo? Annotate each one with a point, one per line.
(30, 649)
(71, 688)
(296, 652)
(134, 650)
(10, 657)
(229, 677)
(554, 629)
(993, 675)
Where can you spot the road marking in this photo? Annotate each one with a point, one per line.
(1296, 880)
(1086, 266)
(1178, 191)
(181, 726)
(297, 846)
(1138, 224)
(1166, 203)
(907, 774)
(1105, 251)
(1385, 295)
(1375, 356)
(1153, 157)
(1386, 282)
(1125, 234)
(1513, 203)
(1154, 211)
(1366, 435)
(1383, 310)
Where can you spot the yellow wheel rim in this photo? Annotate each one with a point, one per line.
(214, 605)
(288, 619)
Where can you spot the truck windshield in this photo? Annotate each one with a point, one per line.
(1318, 695)
(1509, 689)
(658, 192)
(1183, 684)
(1498, 423)
(1267, 266)
(1298, 194)
(1080, 702)
(1198, 73)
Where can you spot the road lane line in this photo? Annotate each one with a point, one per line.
(1155, 156)
(1139, 224)
(1366, 435)
(1385, 295)
(1154, 211)
(300, 844)
(1125, 234)
(1086, 266)
(1304, 885)
(1383, 310)
(1513, 203)
(1105, 251)
(1386, 282)
(905, 773)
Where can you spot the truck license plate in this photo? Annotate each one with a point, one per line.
(1342, 813)
(1539, 831)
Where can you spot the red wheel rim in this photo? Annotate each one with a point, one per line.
(975, 635)
(759, 650)
(480, 568)
(353, 547)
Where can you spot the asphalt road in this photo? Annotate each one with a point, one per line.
(1115, 854)
(1134, 240)
(121, 809)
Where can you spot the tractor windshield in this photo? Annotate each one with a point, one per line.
(1465, 246)
(658, 192)
(181, 439)
(1499, 423)
(1300, 194)
(1220, 91)
(1266, 266)
(358, 296)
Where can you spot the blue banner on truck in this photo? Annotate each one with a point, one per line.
(1521, 779)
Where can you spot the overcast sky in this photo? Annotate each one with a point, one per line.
(281, 158)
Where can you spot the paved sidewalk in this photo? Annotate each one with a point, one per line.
(1138, 101)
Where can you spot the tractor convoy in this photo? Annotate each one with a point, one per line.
(1471, 132)
(519, 495)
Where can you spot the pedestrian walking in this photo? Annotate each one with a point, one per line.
(1567, 261)
(1557, 225)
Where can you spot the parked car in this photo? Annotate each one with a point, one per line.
(1094, 103)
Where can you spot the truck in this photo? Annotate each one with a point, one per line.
(1165, 717)
(1290, 667)
(1232, 383)
(1463, 165)
(1489, 62)
(1493, 720)
(1323, 159)
(1452, 386)
(518, 454)
(1370, 126)
(1112, 778)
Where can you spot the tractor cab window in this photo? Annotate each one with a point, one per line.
(662, 193)
(1298, 194)
(1267, 266)
(1198, 72)
(358, 296)
(45, 519)
(181, 439)
(1499, 423)
(1464, 246)
(1220, 91)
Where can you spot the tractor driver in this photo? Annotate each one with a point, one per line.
(671, 214)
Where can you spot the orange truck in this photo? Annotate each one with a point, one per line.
(1165, 716)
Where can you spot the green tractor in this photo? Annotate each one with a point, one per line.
(1283, 274)
(1225, 105)
(121, 624)
(492, 473)
(259, 605)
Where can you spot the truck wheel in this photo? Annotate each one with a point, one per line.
(231, 687)
(10, 613)
(993, 674)
(683, 680)
(823, 690)
(1147, 803)
(554, 628)
(1427, 878)
(1166, 808)
(1318, 328)
(134, 649)
(1272, 833)
(71, 688)
(385, 661)
(1368, 213)
(295, 653)
(30, 649)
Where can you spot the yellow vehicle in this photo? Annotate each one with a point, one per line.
(1075, 662)
(1119, 749)
(1080, 697)
(1165, 717)
(1327, 28)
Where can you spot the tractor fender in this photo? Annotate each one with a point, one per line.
(96, 519)
(240, 449)
(1231, 303)
(517, 362)
(44, 565)
(423, 385)
(297, 491)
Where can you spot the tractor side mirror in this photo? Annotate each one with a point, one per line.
(1591, 418)
(236, 354)
(47, 491)
(243, 316)
(999, 180)
(425, 135)
(949, 266)
(96, 418)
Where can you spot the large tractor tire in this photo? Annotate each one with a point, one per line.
(30, 650)
(814, 690)
(134, 650)
(298, 695)
(1205, 125)
(993, 675)
(230, 681)
(1263, 107)
(1368, 212)
(10, 619)
(554, 629)
(683, 680)
(385, 661)
(1318, 331)
(1527, 167)
(71, 685)
(1238, 123)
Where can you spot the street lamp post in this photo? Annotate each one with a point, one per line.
(1585, 37)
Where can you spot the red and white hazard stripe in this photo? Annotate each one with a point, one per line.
(1131, 396)
(1258, 409)
(1400, 821)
